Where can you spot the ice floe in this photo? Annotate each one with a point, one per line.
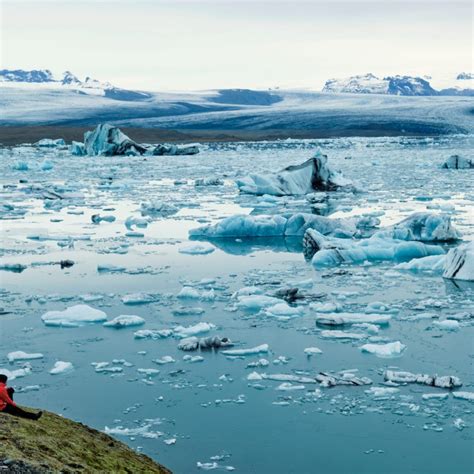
(74, 316)
(341, 319)
(20, 355)
(388, 350)
(61, 367)
(261, 349)
(445, 381)
(125, 320)
(197, 249)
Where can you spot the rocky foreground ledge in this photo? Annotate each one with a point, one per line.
(56, 444)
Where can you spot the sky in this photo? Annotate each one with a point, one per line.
(195, 45)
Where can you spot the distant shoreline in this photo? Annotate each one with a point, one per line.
(16, 135)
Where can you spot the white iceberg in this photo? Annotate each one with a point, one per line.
(256, 302)
(388, 350)
(468, 396)
(310, 351)
(74, 316)
(187, 331)
(173, 150)
(125, 320)
(262, 349)
(457, 162)
(61, 367)
(14, 374)
(445, 381)
(20, 355)
(77, 149)
(344, 335)
(459, 263)
(341, 319)
(312, 175)
(51, 142)
(432, 263)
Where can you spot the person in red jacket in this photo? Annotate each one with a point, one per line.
(7, 405)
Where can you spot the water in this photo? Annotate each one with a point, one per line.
(251, 426)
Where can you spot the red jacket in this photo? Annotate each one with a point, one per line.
(4, 397)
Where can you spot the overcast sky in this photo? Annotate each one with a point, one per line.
(176, 45)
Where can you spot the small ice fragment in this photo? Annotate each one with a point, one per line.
(197, 249)
(20, 355)
(391, 349)
(309, 351)
(124, 320)
(263, 348)
(61, 367)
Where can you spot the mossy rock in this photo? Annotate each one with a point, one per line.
(56, 444)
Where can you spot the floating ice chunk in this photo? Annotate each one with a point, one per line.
(14, 374)
(341, 319)
(125, 320)
(169, 441)
(20, 355)
(20, 166)
(50, 142)
(256, 302)
(61, 367)
(164, 360)
(332, 252)
(254, 376)
(469, 396)
(456, 162)
(138, 298)
(295, 225)
(312, 175)
(459, 424)
(207, 466)
(148, 372)
(310, 351)
(262, 349)
(288, 378)
(283, 311)
(326, 379)
(247, 291)
(144, 431)
(336, 334)
(13, 267)
(77, 149)
(435, 396)
(445, 381)
(97, 218)
(156, 208)
(188, 311)
(46, 165)
(136, 221)
(391, 349)
(459, 264)
(289, 387)
(107, 140)
(208, 182)
(447, 325)
(325, 307)
(258, 363)
(426, 227)
(199, 328)
(432, 263)
(105, 268)
(192, 359)
(197, 249)
(378, 392)
(74, 316)
(188, 292)
(152, 333)
(189, 344)
(174, 150)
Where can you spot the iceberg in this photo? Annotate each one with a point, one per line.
(326, 379)
(290, 225)
(78, 149)
(173, 150)
(445, 381)
(199, 328)
(459, 263)
(391, 349)
(432, 263)
(74, 316)
(256, 302)
(61, 367)
(197, 249)
(425, 227)
(20, 355)
(341, 319)
(331, 251)
(124, 320)
(312, 175)
(262, 349)
(212, 342)
(456, 162)
(50, 142)
(107, 140)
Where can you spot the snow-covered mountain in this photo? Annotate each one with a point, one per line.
(44, 78)
(399, 85)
